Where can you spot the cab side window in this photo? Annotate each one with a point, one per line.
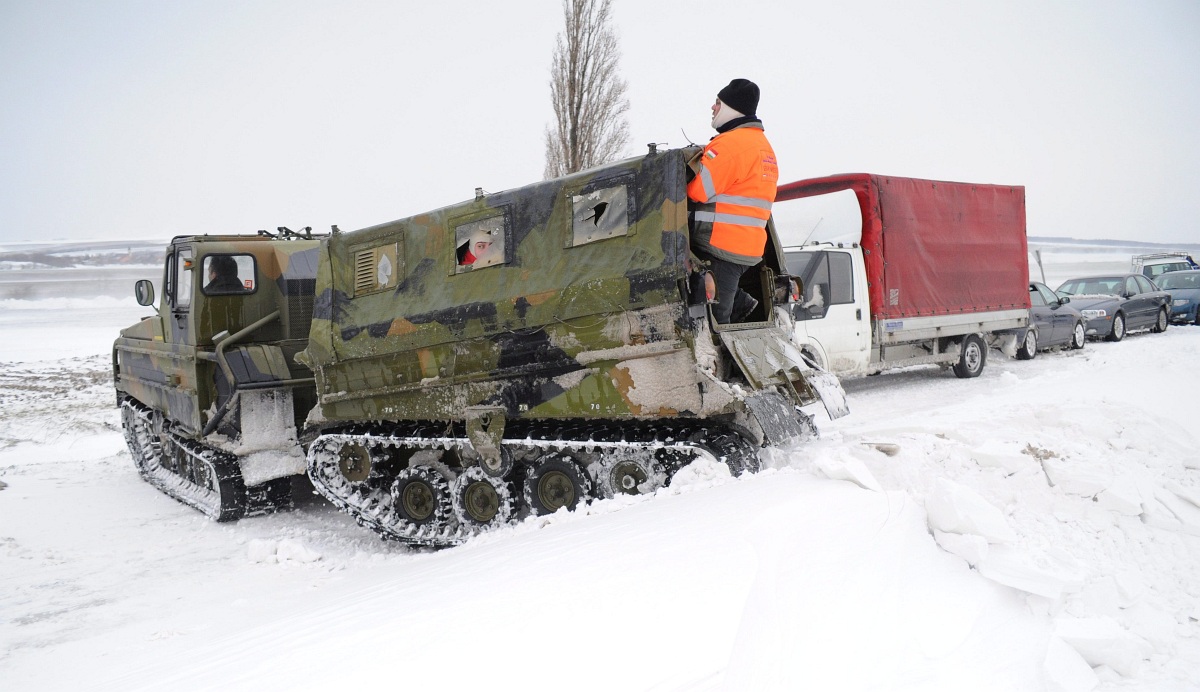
(182, 285)
(229, 275)
(841, 279)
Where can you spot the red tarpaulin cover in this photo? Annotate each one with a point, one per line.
(933, 247)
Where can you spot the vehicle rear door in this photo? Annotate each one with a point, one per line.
(1064, 319)
(1140, 308)
(1155, 298)
(1043, 317)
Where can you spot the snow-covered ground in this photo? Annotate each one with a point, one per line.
(1036, 528)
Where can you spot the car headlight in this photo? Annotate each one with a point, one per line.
(1092, 314)
(1180, 302)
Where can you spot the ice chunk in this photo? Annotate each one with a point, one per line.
(1065, 669)
(1102, 642)
(1005, 565)
(841, 465)
(1122, 496)
(954, 508)
(1076, 477)
(969, 547)
(262, 551)
(1005, 456)
(290, 549)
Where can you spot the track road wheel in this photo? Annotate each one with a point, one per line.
(1160, 325)
(621, 475)
(421, 495)
(728, 448)
(1118, 328)
(355, 462)
(1079, 336)
(557, 481)
(482, 501)
(972, 358)
(1028, 348)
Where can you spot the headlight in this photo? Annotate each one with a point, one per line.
(1180, 302)
(1092, 314)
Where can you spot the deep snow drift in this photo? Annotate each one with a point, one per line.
(1036, 528)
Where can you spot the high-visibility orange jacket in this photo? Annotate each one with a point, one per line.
(733, 191)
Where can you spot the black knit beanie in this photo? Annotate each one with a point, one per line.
(740, 95)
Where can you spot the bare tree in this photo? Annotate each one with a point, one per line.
(589, 97)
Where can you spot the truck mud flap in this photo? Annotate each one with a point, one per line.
(767, 358)
(781, 423)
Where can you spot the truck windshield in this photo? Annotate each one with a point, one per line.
(801, 263)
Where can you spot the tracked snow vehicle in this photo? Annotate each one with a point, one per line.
(522, 351)
(210, 395)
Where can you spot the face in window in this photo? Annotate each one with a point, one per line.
(484, 248)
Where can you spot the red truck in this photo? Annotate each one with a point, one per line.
(910, 272)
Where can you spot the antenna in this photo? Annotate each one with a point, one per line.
(814, 230)
(689, 139)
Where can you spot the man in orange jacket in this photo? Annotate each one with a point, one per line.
(730, 197)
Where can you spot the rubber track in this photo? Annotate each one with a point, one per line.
(370, 502)
(199, 476)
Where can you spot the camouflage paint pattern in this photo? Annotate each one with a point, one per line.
(168, 360)
(586, 315)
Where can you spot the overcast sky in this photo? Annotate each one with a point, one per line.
(150, 119)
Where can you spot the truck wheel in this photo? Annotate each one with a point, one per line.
(1028, 348)
(972, 358)
(1160, 326)
(1079, 336)
(1118, 328)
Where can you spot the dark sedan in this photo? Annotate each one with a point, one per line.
(1119, 303)
(1055, 322)
(1184, 287)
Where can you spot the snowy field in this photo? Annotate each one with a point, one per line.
(1035, 529)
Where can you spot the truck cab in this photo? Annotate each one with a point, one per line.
(832, 315)
(233, 312)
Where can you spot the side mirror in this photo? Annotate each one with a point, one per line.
(1063, 300)
(143, 290)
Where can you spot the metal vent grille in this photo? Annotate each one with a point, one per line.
(364, 271)
(377, 269)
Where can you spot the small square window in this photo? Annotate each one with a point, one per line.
(600, 214)
(229, 275)
(480, 243)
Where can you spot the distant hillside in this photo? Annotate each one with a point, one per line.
(1132, 246)
(93, 253)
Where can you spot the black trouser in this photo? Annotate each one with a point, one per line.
(731, 300)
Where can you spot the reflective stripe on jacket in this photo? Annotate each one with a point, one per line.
(733, 191)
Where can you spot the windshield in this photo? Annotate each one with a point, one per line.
(798, 263)
(1179, 280)
(1093, 285)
